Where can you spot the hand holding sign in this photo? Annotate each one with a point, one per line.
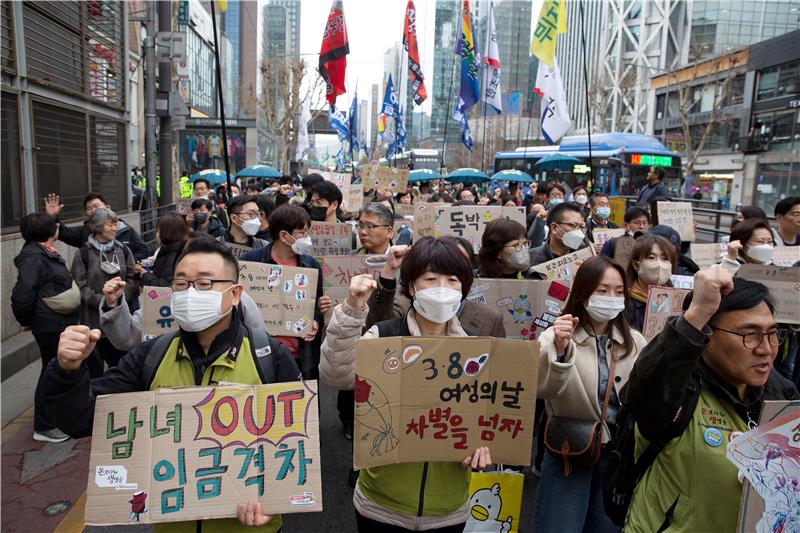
(479, 460)
(563, 328)
(361, 288)
(394, 258)
(251, 515)
(325, 303)
(113, 291)
(76, 344)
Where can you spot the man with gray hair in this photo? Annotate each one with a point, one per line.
(375, 229)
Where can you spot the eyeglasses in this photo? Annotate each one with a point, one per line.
(518, 247)
(201, 284)
(250, 214)
(369, 227)
(572, 225)
(755, 338)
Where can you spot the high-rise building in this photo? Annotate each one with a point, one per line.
(375, 106)
(240, 24)
(291, 14)
(445, 77)
(513, 26)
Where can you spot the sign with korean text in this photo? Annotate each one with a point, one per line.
(662, 303)
(528, 307)
(157, 312)
(564, 267)
(437, 399)
(337, 271)
(342, 182)
(707, 254)
(623, 249)
(784, 287)
(330, 238)
(405, 210)
(196, 453)
(355, 198)
(678, 216)
(238, 250)
(377, 177)
(786, 255)
(286, 296)
(467, 221)
(602, 235)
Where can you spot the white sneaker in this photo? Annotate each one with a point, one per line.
(51, 435)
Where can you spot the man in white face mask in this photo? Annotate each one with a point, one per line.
(245, 223)
(211, 346)
(567, 233)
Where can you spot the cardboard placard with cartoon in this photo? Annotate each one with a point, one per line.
(662, 303)
(467, 221)
(379, 177)
(174, 455)
(157, 312)
(337, 271)
(495, 502)
(564, 267)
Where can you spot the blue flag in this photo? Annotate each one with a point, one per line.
(401, 131)
(338, 122)
(390, 100)
(466, 135)
(353, 124)
(469, 93)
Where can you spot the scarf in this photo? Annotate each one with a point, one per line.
(99, 246)
(49, 248)
(637, 294)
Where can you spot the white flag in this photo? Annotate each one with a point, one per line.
(491, 58)
(555, 119)
(302, 132)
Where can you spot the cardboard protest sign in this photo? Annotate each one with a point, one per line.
(786, 255)
(495, 502)
(405, 210)
(425, 219)
(564, 267)
(379, 177)
(467, 221)
(437, 399)
(707, 254)
(618, 207)
(330, 238)
(157, 312)
(662, 303)
(238, 250)
(342, 182)
(355, 199)
(679, 216)
(603, 235)
(174, 455)
(784, 287)
(623, 249)
(753, 507)
(399, 223)
(286, 296)
(528, 307)
(337, 271)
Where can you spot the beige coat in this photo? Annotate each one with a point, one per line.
(569, 388)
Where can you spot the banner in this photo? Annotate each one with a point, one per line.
(468, 221)
(495, 502)
(784, 287)
(157, 312)
(333, 53)
(707, 254)
(286, 296)
(196, 453)
(554, 118)
(679, 216)
(564, 267)
(437, 399)
(662, 303)
(552, 21)
(491, 57)
(528, 307)
(617, 211)
(330, 238)
(410, 46)
(393, 179)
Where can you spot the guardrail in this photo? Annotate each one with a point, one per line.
(148, 223)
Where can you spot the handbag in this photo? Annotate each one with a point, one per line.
(575, 441)
(66, 302)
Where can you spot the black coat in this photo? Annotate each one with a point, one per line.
(77, 236)
(41, 274)
(164, 266)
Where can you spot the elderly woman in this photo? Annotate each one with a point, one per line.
(99, 260)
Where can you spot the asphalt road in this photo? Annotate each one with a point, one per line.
(337, 496)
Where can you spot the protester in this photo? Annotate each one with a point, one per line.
(504, 251)
(326, 202)
(599, 214)
(44, 300)
(202, 190)
(749, 211)
(716, 358)
(751, 242)
(265, 207)
(201, 220)
(536, 223)
(585, 359)
(245, 223)
(404, 197)
(252, 189)
(441, 198)
(555, 195)
(205, 303)
(99, 260)
(77, 236)
(465, 197)
(580, 195)
(284, 193)
(172, 233)
(787, 214)
(653, 262)
(685, 266)
(308, 184)
(636, 219)
(566, 233)
(654, 186)
(375, 229)
(410, 496)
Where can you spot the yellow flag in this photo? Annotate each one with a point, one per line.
(552, 21)
(222, 5)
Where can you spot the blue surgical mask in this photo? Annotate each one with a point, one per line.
(603, 212)
(552, 202)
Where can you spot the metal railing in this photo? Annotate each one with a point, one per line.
(148, 223)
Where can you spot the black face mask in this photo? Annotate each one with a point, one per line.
(318, 214)
(201, 218)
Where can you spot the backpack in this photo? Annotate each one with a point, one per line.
(623, 472)
(260, 342)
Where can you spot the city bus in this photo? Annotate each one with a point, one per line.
(621, 162)
(415, 159)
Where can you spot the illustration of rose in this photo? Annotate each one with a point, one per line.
(362, 390)
(472, 368)
(152, 294)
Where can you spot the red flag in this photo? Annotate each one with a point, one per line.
(333, 53)
(410, 45)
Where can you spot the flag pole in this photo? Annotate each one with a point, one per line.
(586, 88)
(221, 105)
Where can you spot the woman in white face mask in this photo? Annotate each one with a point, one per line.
(585, 360)
(751, 242)
(436, 276)
(505, 252)
(653, 262)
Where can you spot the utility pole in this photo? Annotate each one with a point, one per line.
(165, 130)
(150, 150)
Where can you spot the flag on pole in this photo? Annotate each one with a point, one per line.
(466, 134)
(338, 122)
(552, 21)
(469, 93)
(333, 53)
(389, 109)
(401, 131)
(491, 59)
(388, 116)
(410, 45)
(352, 120)
(555, 119)
(302, 131)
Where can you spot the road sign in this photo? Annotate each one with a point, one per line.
(171, 47)
(183, 12)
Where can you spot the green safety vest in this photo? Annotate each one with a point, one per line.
(186, 187)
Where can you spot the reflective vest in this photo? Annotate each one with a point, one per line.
(186, 187)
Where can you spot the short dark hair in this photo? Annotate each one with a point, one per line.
(288, 218)
(202, 180)
(441, 256)
(642, 247)
(206, 244)
(554, 215)
(752, 211)
(746, 294)
(38, 227)
(496, 235)
(265, 204)
(172, 227)
(327, 191)
(311, 180)
(200, 202)
(441, 196)
(97, 196)
(541, 188)
(235, 205)
(401, 194)
(556, 186)
(378, 209)
(593, 198)
(635, 212)
(744, 230)
(785, 205)
(462, 242)
(659, 171)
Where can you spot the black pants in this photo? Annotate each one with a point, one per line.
(48, 347)
(345, 403)
(108, 353)
(367, 525)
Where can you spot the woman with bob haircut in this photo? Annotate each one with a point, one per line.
(585, 359)
(432, 496)
(504, 250)
(172, 233)
(653, 262)
(751, 242)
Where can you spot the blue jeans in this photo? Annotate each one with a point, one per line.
(574, 503)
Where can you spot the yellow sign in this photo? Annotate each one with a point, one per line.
(617, 211)
(495, 502)
(552, 21)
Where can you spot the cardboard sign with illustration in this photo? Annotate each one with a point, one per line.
(707, 254)
(342, 182)
(679, 216)
(392, 179)
(528, 307)
(662, 303)
(355, 198)
(174, 455)
(603, 235)
(286, 296)
(437, 399)
(623, 249)
(330, 238)
(464, 221)
(157, 312)
(784, 287)
(337, 271)
(495, 502)
(564, 267)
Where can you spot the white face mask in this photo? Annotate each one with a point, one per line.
(302, 246)
(251, 227)
(573, 239)
(604, 308)
(197, 310)
(761, 252)
(438, 304)
(581, 199)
